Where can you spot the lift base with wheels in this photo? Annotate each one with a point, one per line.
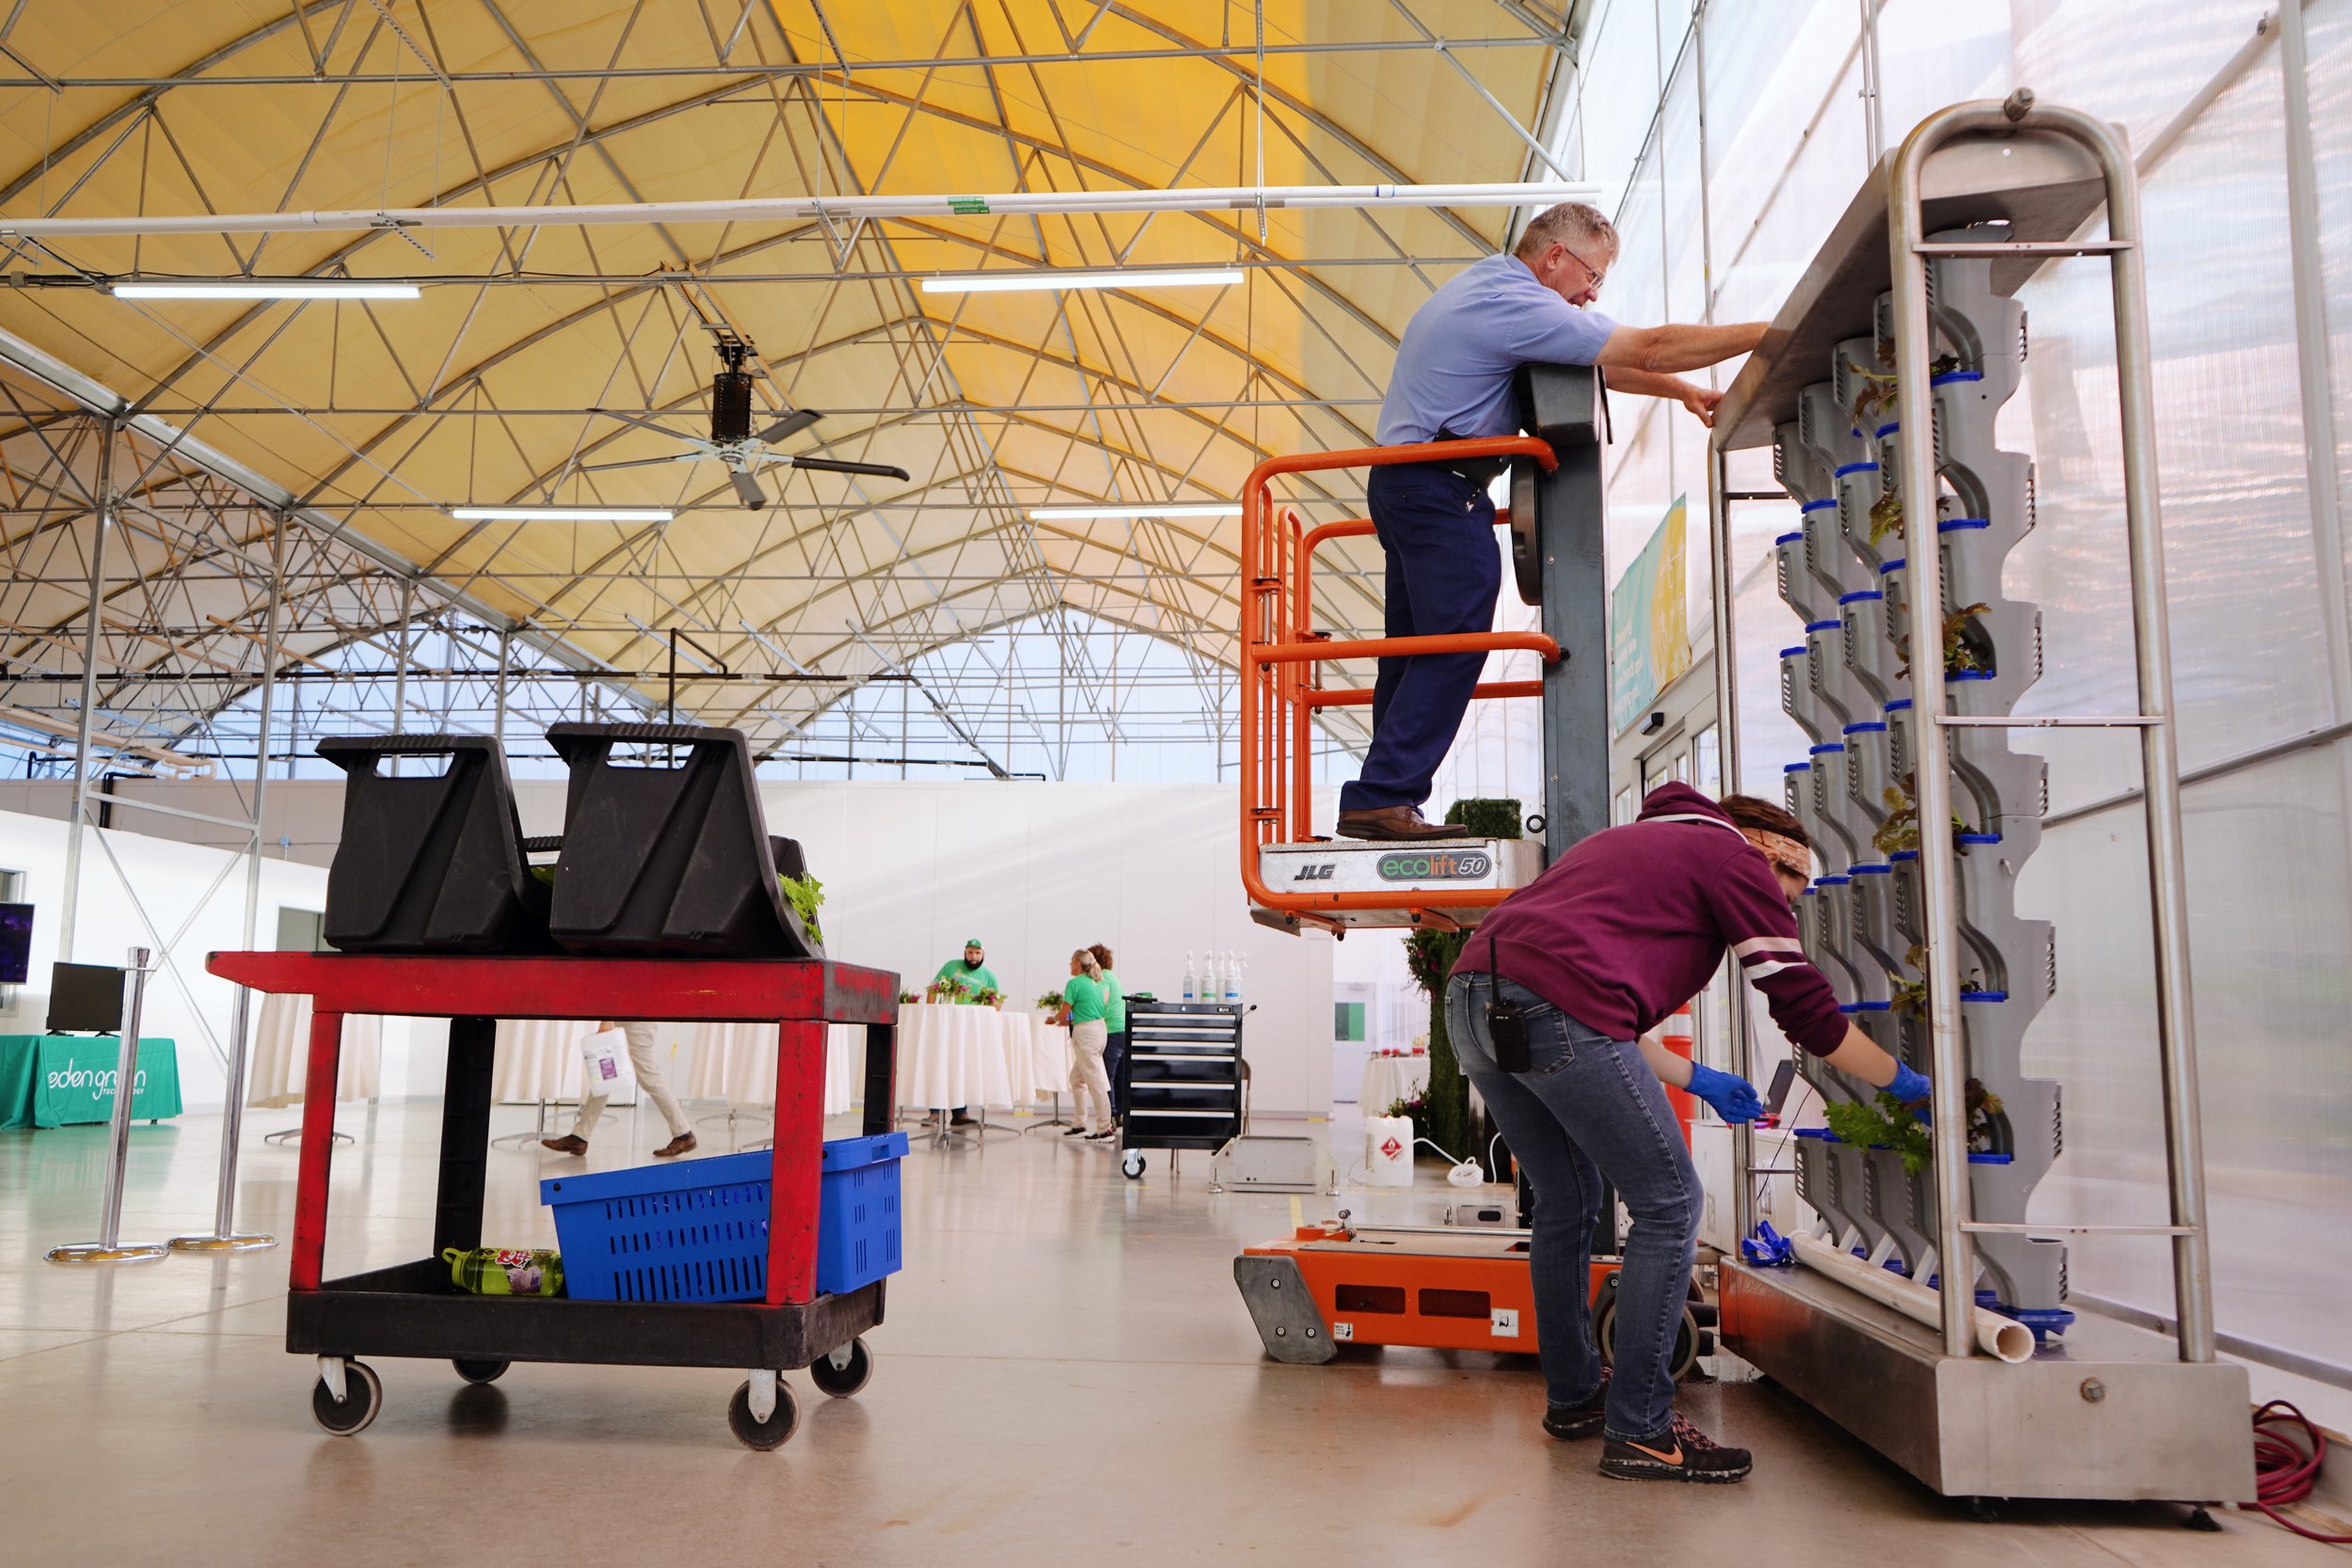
(1433, 1286)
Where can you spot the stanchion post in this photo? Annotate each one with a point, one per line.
(110, 1247)
(224, 1237)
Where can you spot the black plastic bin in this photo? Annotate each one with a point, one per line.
(430, 862)
(668, 851)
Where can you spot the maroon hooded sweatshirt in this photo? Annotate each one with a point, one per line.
(1629, 924)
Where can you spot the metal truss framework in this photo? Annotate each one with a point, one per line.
(152, 661)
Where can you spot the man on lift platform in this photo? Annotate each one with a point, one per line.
(1454, 377)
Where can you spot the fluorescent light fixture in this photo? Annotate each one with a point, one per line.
(561, 514)
(999, 282)
(280, 288)
(1074, 514)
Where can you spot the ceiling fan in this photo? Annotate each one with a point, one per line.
(732, 440)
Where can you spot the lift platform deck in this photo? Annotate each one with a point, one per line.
(1422, 877)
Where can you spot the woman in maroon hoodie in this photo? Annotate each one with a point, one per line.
(1547, 1009)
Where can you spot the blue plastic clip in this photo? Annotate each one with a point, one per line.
(1769, 1249)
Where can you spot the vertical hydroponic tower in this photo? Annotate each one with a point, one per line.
(1847, 683)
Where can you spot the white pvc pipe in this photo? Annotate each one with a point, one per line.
(831, 209)
(2004, 1338)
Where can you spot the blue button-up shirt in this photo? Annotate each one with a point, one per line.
(1453, 369)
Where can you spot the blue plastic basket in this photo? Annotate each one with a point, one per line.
(697, 1231)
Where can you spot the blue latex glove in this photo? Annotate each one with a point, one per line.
(1911, 1088)
(1734, 1098)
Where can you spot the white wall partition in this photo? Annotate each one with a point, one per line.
(145, 891)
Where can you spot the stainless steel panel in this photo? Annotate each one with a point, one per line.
(2112, 1413)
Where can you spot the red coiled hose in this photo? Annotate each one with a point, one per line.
(2286, 1465)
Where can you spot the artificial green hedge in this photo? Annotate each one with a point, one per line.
(1497, 818)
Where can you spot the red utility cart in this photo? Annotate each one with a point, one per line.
(413, 1310)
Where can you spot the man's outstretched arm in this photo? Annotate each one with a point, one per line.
(1674, 347)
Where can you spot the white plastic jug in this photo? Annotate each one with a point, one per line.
(1388, 1152)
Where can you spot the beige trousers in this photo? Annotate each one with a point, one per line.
(1087, 1076)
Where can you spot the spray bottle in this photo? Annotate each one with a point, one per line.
(1191, 986)
(1232, 979)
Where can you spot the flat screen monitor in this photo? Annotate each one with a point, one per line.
(85, 999)
(16, 942)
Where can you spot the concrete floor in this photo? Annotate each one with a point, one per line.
(1066, 1373)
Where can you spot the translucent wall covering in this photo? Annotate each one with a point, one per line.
(1734, 137)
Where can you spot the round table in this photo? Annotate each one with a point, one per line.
(736, 1062)
(1037, 1056)
(1390, 1079)
(952, 1056)
(536, 1060)
(278, 1058)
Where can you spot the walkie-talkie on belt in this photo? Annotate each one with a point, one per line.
(1506, 1023)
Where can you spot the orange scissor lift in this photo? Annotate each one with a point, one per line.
(1444, 1287)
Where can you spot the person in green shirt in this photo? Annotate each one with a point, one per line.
(959, 983)
(1115, 1025)
(961, 980)
(1082, 1011)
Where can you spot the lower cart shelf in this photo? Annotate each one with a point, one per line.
(413, 1310)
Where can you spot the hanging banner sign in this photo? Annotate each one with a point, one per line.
(1649, 631)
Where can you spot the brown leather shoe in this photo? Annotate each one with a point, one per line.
(1402, 824)
(567, 1144)
(683, 1144)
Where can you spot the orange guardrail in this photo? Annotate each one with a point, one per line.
(1281, 652)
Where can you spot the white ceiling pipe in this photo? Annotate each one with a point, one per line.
(836, 209)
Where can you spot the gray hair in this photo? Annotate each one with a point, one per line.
(1572, 224)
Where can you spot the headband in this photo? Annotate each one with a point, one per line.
(1784, 853)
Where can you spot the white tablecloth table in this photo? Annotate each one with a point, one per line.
(736, 1062)
(278, 1058)
(950, 1055)
(1389, 1079)
(538, 1060)
(1036, 1055)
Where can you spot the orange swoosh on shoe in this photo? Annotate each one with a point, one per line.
(1673, 1456)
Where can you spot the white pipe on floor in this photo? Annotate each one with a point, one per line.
(829, 209)
(2004, 1338)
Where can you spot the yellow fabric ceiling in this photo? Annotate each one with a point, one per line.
(382, 414)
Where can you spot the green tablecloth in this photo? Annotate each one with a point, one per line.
(55, 1080)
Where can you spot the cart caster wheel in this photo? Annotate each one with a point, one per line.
(363, 1396)
(1132, 1163)
(776, 1431)
(481, 1371)
(1985, 1510)
(841, 1382)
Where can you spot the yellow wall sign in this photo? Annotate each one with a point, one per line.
(1649, 629)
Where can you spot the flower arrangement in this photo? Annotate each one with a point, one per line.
(907, 998)
(1050, 1002)
(988, 997)
(952, 989)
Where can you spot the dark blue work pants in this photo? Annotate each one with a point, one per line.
(1437, 531)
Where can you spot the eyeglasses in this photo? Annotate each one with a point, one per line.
(1598, 275)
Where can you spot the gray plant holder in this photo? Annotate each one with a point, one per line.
(1848, 689)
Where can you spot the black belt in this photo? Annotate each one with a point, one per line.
(1480, 471)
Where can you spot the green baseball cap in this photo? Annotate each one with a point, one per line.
(974, 942)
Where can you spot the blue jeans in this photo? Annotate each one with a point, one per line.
(1437, 531)
(1590, 1107)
